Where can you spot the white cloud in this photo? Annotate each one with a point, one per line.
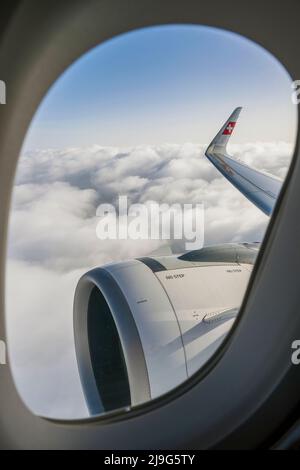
(52, 241)
(41, 347)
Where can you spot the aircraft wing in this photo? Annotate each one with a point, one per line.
(260, 188)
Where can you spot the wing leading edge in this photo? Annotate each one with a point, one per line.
(259, 187)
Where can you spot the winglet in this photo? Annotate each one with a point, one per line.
(224, 134)
(259, 187)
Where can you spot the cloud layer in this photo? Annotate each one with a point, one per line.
(52, 241)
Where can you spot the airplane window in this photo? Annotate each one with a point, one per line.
(143, 191)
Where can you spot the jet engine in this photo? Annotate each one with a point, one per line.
(142, 327)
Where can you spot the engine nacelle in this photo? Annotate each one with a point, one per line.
(142, 327)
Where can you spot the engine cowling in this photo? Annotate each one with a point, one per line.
(142, 327)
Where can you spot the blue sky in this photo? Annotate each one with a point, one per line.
(166, 84)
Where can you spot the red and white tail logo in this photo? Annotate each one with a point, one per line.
(226, 130)
(229, 128)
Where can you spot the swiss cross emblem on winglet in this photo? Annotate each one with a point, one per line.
(229, 128)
